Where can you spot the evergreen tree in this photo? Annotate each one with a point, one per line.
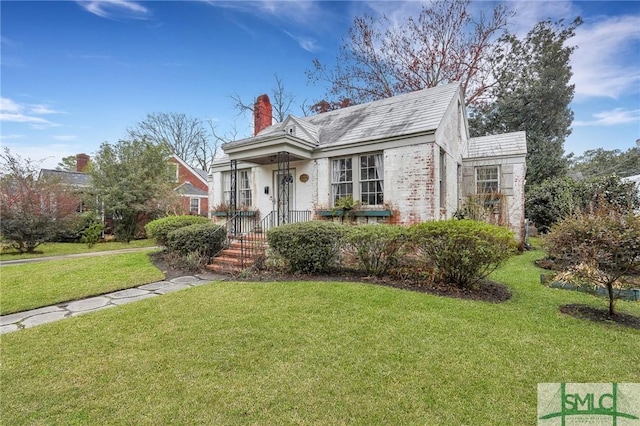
(532, 93)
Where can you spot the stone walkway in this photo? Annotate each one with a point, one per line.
(27, 319)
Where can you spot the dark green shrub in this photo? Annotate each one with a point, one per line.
(377, 247)
(556, 199)
(159, 229)
(463, 251)
(309, 246)
(204, 238)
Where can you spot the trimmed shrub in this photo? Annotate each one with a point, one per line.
(377, 247)
(203, 238)
(463, 251)
(309, 246)
(159, 229)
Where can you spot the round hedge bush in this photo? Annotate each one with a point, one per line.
(307, 247)
(463, 251)
(376, 246)
(159, 229)
(203, 238)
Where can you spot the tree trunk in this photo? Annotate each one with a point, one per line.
(611, 299)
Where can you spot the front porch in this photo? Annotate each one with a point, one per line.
(247, 238)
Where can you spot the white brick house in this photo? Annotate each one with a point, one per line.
(407, 159)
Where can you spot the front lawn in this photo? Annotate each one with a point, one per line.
(33, 285)
(59, 249)
(313, 353)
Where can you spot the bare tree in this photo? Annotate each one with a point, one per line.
(186, 136)
(281, 101)
(444, 43)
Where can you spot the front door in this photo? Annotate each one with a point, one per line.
(284, 198)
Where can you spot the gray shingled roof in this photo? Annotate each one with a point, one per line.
(498, 145)
(77, 179)
(405, 114)
(188, 189)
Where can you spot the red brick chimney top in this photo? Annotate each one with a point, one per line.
(262, 113)
(82, 160)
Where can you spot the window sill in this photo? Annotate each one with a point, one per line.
(356, 213)
(228, 214)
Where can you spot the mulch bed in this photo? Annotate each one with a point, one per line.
(600, 315)
(485, 290)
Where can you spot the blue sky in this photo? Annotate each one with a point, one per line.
(75, 74)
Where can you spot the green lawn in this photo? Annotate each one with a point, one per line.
(58, 249)
(312, 353)
(33, 285)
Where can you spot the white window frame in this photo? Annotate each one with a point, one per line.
(352, 178)
(197, 209)
(243, 186)
(483, 181)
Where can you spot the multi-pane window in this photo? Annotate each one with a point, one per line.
(243, 187)
(342, 178)
(487, 180)
(371, 183)
(226, 188)
(367, 186)
(194, 205)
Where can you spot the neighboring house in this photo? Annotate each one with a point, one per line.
(192, 187)
(407, 159)
(77, 180)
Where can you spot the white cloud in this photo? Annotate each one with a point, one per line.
(611, 118)
(114, 9)
(306, 43)
(12, 111)
(42, 109)
(606, 61)
(10, 137)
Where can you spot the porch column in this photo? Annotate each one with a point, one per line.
(284, 182)
(233, 201)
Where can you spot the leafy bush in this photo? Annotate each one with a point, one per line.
(376, 246)
(557, 199)
(91, 235)
(598, 248)
(463, 251)
(204, 238)
(159, 229)
(309, 246)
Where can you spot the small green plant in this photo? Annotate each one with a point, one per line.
(92, 234)
(159, 229)
(463, 251)
(309, 246)
(204, 238)
(377, 247)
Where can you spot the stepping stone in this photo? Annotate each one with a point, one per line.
(154, 286)
(44, 318)
(211, 277)
(9, 328)
(90, 304)
(19, 316)
(125, 294)
(75, 314)
(133, 299)
(171, 287)
(185, 280)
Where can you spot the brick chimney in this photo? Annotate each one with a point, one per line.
(262, 113)
(82, 160)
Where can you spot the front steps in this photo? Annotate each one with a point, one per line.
(232, 260)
